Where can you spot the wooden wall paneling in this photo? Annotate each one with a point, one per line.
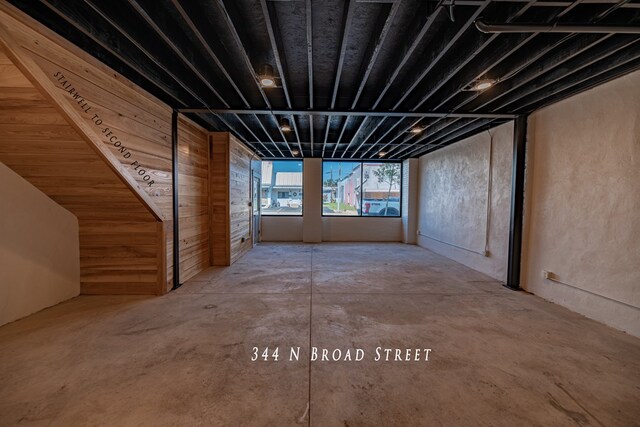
(47, 137)
(119, 257)
(11, 31)
(193, 158)
(256, 171)
(10, 75)
(230, 195)
(240, 196)
(118, 236)
(58, 161)
(140, 121)
(168, 226)
(164, 283)
(4, 60)
(219, 199)
(142, 134)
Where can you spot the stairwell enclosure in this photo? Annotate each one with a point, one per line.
(100, 147)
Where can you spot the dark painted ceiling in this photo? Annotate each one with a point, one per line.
(384, 62)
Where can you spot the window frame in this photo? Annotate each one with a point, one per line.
(362, 162)
(301, 214)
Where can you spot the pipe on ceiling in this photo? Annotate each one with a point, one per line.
(551, 28)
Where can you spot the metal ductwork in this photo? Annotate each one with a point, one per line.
(553, 28)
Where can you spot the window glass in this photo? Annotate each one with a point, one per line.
(381, 189)
(341, 188)
(361, 188)
(281, 187)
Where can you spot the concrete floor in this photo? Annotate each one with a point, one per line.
(499, 357)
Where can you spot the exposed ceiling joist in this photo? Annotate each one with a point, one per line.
(575, 29)
(354, 88)
(249, 66)
(349, 113)
(578, 46)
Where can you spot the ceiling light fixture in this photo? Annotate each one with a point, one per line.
(266, 76)
(416, 130)
(483, 84)
(285, 126)
(382, 153)
(295, 152)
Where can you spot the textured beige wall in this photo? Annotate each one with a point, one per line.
(456, 186)
(583, 203)
(39, 249)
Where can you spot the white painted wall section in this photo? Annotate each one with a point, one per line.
(410, 168)
(361, 229)
(39, 249)
(282, 228)
(312, 201)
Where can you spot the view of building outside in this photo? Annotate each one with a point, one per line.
(281, 187)
(355, 188)
(340, 181)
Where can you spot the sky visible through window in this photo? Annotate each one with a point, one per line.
(337, 170)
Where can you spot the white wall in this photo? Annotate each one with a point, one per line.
(583, 203)
(313, 227)
(312, 201)
(410, 168)
(464, 201)
(281, 229)
(39, 249)
(338, 229)
(361, 229)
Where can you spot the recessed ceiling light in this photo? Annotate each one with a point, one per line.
(382, 153)
(285, 126)
(266, 77)
(416, 129)
(267, 82)
(483, 84)
(295, 152)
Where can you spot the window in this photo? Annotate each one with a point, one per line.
(340, 180)
(361, 188)
(281, 187)
(381, 189)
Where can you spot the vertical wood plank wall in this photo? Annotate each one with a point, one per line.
(118, 235)
(193, 158)
(240, 163)
(230, 180)
(219, 199)
(142, 126)
(140, 122)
